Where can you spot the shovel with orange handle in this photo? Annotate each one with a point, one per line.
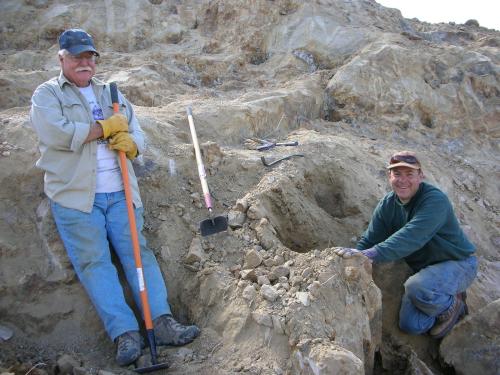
(137, 253)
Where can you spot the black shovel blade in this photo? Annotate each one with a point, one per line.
(212, 226)
(146, 369)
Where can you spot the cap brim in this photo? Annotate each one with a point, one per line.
(403, 164)
(76, 50)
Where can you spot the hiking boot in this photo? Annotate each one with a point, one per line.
(463, 297)
(128, 348)
(446, 320)
(169, 332)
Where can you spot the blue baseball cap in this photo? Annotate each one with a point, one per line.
(76, 41)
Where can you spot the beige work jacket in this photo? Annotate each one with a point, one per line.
(62, 117)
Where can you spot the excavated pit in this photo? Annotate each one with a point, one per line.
(312, 209)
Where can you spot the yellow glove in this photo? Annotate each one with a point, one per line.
(122, 141)
(114, 124)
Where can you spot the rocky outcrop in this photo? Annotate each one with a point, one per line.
(474, 345)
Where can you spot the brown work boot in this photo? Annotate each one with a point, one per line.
(170, 332)
(446, 320)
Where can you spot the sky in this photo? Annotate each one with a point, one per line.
(486, 12)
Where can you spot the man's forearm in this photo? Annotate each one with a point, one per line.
(95, 132)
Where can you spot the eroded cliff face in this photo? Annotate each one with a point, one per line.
(352, 82)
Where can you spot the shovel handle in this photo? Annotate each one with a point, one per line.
(132, 223)
(199, 161)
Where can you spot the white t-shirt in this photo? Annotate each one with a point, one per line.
(109, 178)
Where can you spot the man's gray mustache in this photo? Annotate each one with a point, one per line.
(83, 69)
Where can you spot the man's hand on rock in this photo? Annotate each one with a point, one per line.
(347, 252)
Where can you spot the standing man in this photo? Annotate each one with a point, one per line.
(79, 137)
(416, 222)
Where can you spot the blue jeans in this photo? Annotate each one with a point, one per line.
(86, 237)
(431, 291)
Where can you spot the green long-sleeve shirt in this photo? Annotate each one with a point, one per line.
(423, 231)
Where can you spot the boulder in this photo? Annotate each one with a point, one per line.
(473, 346)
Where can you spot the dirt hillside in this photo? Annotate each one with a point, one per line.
(351, 82)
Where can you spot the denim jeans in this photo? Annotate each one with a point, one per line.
(431, 291)
(86, 237)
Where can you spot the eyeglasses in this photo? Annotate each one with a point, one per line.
(79, 58)
(410, 159)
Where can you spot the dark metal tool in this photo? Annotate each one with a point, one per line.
(270, 164)
(266, 145)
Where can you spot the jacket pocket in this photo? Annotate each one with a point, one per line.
(74, 110)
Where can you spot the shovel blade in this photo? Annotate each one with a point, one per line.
(212, 226)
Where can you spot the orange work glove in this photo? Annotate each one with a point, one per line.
(122, 141)
(114, 124)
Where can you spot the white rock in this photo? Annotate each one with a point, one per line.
(303, 298)
(195, 252)
(242, 284)
(249, 275)
(279, 260)
(252, 259)
(352, 273)
(269, 262)
(249, 293)
(278, 324)
(242, 204)
(256, 211)
(306, 273)
(5, 333)
(66, 363)
(280, 271)
(283, 280)
(184, 354)
(235, 219)
(296, 280)
(262, 319)
(269, 293)
(263, 280)
(314, 288)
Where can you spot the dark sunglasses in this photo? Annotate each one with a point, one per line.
(410, 159)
